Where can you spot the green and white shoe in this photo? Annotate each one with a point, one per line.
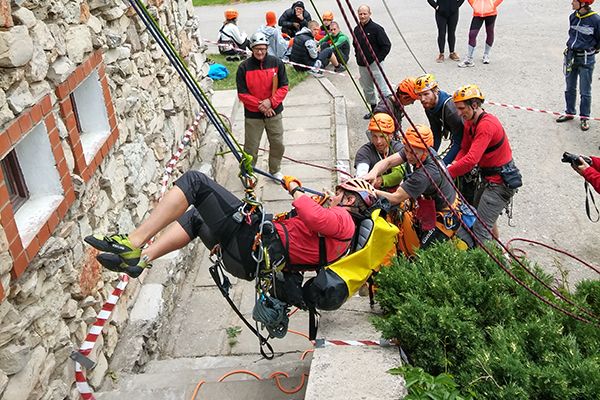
(116, 244)
(115, 263)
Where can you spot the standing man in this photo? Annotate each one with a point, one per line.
(442, 115)
(381, 45)
(580, 57)
(262, 84)
(486, 145)
(294, 18)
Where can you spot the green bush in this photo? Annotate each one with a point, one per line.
(458, 312)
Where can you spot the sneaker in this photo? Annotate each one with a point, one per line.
(440, 58)
(340, 68)
(454, 57)
(115, 263)
(367, 115)
(564, 118)
(116, 244)
(485, 59)
(277, 177)
(316, 73)
(585, 124)
(467, 62)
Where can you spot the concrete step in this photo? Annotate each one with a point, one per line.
(227, 390)
(164, 375)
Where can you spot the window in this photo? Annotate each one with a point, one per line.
(17, 188)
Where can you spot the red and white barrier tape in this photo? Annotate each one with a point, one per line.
(92, 336)
(310, 67)
(558, 114)
(175, 157)
(359, 343)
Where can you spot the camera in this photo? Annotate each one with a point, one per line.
(573, 159)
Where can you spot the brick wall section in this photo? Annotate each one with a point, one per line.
(41, 112)
(63, 93)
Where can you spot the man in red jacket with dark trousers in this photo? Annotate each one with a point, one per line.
(486, 146)
(262, 84)
(591, 173)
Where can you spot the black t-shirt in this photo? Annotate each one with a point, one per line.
(368, 154)
(418, 183)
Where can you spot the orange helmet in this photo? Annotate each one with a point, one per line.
(467, 92)
(412, 138)
(407, 86)
(231, 13)
(362, 187)
(382, 122)
(424, 83)
(327, 15)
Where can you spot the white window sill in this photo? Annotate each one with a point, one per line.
(33, 215)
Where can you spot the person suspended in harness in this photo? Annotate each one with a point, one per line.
(433, 220)
(380, 146)
(232, 42)
(405, 92)
(441, 113)
(215, 217)
(485, 145)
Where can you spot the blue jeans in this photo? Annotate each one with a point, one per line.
(582, 67)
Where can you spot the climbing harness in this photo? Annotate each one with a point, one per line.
(589, 198)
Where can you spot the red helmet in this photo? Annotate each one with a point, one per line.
(362, 187)
(588, 2)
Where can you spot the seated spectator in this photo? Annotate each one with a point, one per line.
(232, 41)
(591, 173)
(380, 146)
(278, 46)
(305, 49)
(328, 53)
(405, 92)
(327, 18)
(294, 19)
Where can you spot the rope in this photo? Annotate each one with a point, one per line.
(556, 292)
(402, 36)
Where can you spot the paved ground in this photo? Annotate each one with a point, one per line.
(526, 69)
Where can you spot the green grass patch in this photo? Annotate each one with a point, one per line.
(457, 313)
(294, 77)
(199, 3)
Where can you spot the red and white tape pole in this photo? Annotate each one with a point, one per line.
(532, 109)
(95, 331)
(185, 140)
(81, 357)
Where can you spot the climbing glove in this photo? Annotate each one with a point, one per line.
(287, 179)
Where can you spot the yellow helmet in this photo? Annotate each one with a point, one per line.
(424, 83)
(413, 139)
(381, 122)
(467, 92)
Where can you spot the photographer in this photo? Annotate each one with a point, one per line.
(589, 168)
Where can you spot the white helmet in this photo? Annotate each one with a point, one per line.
(258, 38)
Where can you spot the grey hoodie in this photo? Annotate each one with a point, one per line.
(278, 46)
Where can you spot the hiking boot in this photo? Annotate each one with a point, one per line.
(564, 118)
(440, 58)
(115, 263)
(467, 62)
(339, 68)
(370, 113)
(486, 59)
(584, 124)
(232, 58)
(454, 57)
(116, 244)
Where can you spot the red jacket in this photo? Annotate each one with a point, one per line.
(485, 8)
(592, 174)
(335, 224)
(255, 81)
(477, 138)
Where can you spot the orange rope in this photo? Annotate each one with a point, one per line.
(275, 377)
(239, 371)
(300, 334)
(303, 356)
(200, 383)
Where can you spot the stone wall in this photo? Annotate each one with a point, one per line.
(45, 311)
